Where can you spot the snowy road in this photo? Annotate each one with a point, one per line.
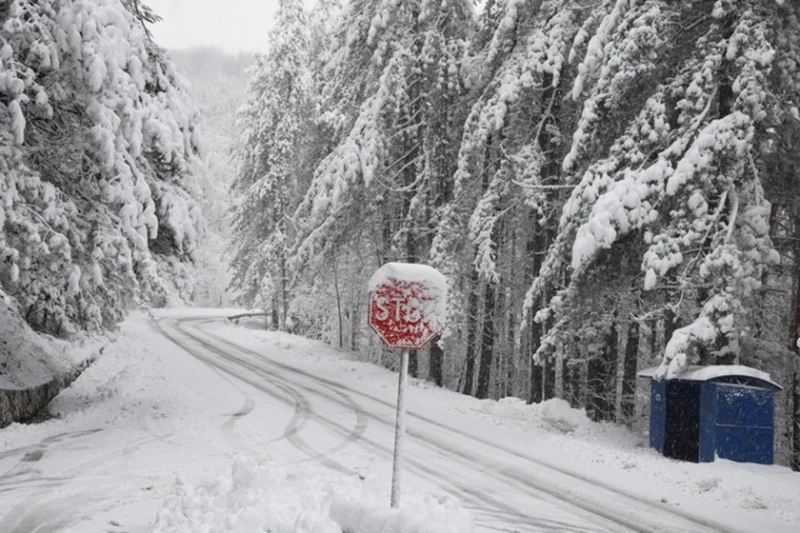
(182, 397)
(506, 490)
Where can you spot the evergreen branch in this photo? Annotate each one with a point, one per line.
(41, 219)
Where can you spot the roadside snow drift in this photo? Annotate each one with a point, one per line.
(268, 497)
(26, 360)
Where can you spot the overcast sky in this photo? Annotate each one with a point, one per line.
(234, 25)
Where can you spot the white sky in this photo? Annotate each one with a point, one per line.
(234, 25)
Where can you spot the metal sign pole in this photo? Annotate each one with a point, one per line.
(399, 429)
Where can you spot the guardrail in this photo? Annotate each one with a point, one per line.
(235, 318)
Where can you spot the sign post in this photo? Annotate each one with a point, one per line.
(399, 429)
(407, 305)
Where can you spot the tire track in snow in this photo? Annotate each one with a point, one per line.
(520, 520)
(228, 427)
(556, 490)
(49, 515)
(303, 411)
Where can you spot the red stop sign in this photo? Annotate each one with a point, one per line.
(406, 304)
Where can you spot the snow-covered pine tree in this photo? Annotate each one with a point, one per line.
(590, 346)
(394, 76)
(668, 161)
(98, 143)
(276, 124)
(778, 137)
(217, 81)
(506, 185)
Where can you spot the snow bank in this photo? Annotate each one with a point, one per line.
(268, 497)
(735, 493)
(33, 367)
(26, 360)
(560, 415)
(254, 498)
(432, 515)
(553, 415)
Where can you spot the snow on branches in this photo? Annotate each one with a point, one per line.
(682, 176)
(97, 176)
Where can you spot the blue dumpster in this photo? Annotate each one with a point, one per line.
(713, 411)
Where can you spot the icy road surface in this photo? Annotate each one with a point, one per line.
(147, 438)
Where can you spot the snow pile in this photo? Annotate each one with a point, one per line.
(432, 515)
(558, 414)
(268, 497)
(554, 415)
(254, 498)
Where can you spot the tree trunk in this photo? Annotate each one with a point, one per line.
(610, 360)
(549, 372)
(512, 354)
(338, 305)
(794, 367)
(550, 173)
(549, 365)
(671, 323)
(726, 96)
(354, 325)
(601, 378)
(503, 343)
(572, 383)
(629, 372)
(411, 255)
(594, 388)
(274, 312)
(283, 296)
(655, 352)
(284, 293)
(442, 161)
(487, 342)
(795, 463)
(413, 364)
(537, 391)
(537, 372)
(535, 249)
(436, 357)
(472, 328)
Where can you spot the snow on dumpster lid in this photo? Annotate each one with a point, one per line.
(708, 373)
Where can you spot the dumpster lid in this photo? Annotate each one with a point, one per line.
(718, 373)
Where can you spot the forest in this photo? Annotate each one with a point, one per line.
(607, 185)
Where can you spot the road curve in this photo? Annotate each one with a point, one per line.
(527, 482)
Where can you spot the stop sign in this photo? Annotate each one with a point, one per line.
(407, 304)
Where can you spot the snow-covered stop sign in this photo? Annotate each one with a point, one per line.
(407, 304)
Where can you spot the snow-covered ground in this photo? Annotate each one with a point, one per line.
(283, 433)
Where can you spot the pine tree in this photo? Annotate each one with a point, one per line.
(667, 165)
(99, 140)
(627, 164)
(507, 172)
(394, 74)
(275, 124)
